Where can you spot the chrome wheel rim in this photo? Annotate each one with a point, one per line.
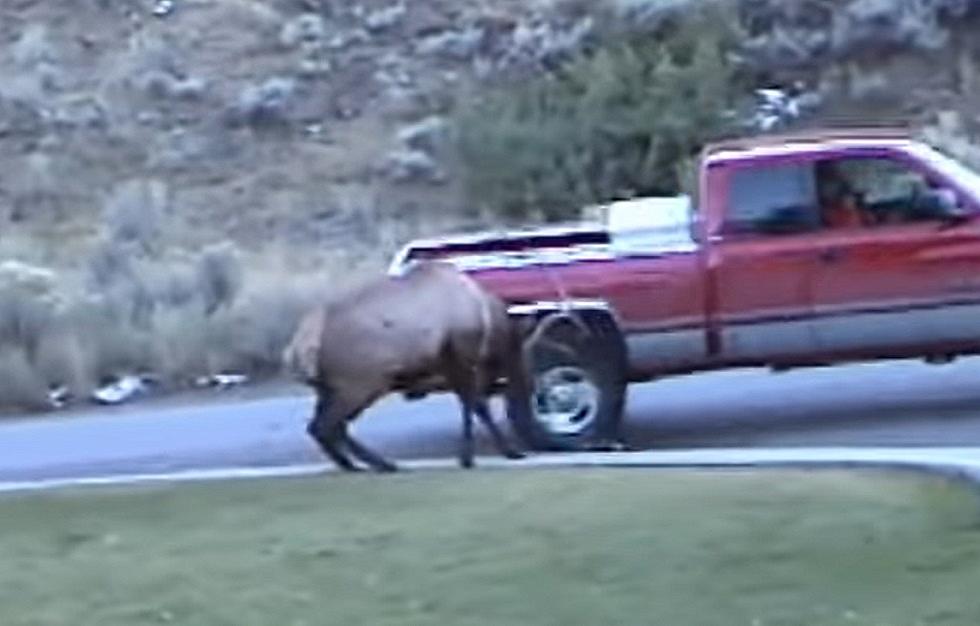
(566, 400)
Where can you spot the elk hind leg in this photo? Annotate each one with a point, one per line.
(356, 402)
(367, 455)
(323, 430)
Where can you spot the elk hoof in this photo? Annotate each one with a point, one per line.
(514, 455)
(467, 463)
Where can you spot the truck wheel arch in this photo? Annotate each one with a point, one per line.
(584, 350)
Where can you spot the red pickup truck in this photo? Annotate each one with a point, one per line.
(804, 250)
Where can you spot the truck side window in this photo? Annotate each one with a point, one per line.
(890, 192)
(772, 199)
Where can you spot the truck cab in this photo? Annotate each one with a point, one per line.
(830, 248)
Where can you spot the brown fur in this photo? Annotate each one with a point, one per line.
(434, 323)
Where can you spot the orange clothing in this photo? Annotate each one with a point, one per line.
(843, 214)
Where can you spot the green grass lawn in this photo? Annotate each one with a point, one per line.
(507, 547)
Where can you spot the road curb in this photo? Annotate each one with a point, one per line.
(960, 464)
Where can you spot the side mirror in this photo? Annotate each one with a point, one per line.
(943, 204)
(946, 200)
(952, 214)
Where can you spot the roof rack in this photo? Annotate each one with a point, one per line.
(811, 135)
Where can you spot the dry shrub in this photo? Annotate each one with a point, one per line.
(109, 263)
(28, 296)
(168, 284)
(213, 277)
(134, 212)
(220, 275)
(251, 336)
(62, 358)
(23, 319)
(20, 386)
(113, 344)
(34, 188)
(180, 344)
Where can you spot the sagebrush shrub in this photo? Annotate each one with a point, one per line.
(20, 386)
(134, 212)
(219, 276)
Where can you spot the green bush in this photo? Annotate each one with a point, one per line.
(621, 121)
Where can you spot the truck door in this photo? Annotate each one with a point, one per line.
(761, 260)
(906, 282)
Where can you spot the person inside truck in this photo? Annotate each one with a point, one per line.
(839, 202)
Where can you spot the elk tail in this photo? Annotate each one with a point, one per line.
(301, 357)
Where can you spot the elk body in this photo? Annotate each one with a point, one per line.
(399, 334)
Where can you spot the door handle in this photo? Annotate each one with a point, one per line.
(831, 255)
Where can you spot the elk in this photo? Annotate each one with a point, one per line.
(399, 333)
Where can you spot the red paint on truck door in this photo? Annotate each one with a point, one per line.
(907, 280)
(761, 259)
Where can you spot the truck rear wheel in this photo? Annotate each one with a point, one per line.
(578, 390)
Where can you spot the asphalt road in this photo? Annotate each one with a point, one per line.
(888, 404)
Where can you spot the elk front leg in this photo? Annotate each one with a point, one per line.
(467, 402)
(503, 446)
(466, 446)
(462, 379)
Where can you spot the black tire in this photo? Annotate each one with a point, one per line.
(595, 362)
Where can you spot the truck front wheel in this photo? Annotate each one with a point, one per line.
(578, 390)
